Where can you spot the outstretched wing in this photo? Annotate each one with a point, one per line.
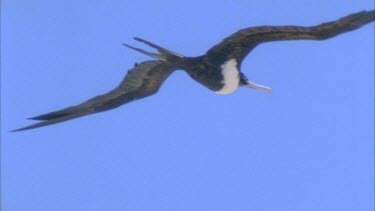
(141, 81)
(239, 44)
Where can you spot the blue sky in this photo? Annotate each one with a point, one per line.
(307, 146)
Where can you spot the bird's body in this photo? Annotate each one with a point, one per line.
(219, 69)
(221, 77)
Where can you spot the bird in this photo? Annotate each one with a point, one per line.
(219, 69)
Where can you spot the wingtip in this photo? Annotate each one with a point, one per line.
(361, 18)
(13, 131)
(19, 129)
(24, 128)
(33, 126)
(34, 117)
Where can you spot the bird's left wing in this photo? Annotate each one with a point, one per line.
(141, 81)
(239, 44)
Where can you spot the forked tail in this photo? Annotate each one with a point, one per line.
(164, 54)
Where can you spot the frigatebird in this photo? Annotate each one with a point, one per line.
(218, 70)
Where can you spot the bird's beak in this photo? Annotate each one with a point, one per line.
(258, 87)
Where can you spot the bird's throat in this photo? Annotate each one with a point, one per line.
(231, 77)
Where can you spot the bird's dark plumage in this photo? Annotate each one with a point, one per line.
(141, 81)
(239, 44)
(218, 69)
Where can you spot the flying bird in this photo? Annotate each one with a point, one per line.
(219, 69)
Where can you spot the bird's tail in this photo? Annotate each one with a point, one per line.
(164, 54)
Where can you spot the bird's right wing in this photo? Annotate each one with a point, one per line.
(239, 44)
(141, 81)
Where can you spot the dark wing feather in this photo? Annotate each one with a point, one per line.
(239, 44)
(141, 81)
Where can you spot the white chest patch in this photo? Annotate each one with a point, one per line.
(231, 76)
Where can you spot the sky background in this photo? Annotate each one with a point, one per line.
(307, 146)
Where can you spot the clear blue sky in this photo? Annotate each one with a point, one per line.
(307, 146)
